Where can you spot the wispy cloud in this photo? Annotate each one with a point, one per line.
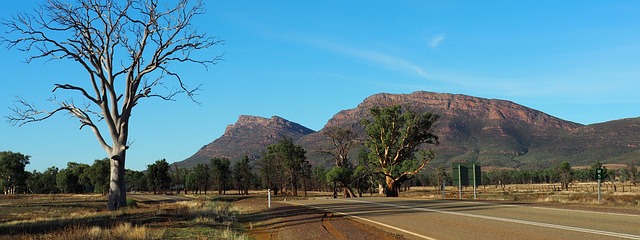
(380, 58)
(436, 40)
(377, 57)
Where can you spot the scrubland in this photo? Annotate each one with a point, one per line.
(69, 217)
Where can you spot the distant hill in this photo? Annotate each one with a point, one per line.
(493, 132)
(249, 136)
(609, 142)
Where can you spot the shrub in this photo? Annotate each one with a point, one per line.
(132, 202)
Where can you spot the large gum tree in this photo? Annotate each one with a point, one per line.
(125, 48)
(395, 137)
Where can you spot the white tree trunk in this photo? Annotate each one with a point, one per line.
(117, 186)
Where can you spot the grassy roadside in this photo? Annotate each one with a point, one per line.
(69, 217)
(76, 216)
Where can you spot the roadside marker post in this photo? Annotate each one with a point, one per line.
(269, 197)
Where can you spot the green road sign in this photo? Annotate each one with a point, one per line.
(464, 174)
(599, 174)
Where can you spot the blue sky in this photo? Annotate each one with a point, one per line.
(577, 60)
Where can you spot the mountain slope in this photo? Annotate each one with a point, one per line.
(249, 136)
(609, 142)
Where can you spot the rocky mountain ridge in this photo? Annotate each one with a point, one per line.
(446, 104)
(493, 132)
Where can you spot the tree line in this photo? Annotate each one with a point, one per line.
(247, 174)
(76, 178)
(284, 167)
(159, 177)
(562, 173)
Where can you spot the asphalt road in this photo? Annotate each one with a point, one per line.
(149, 198)
(451, 219)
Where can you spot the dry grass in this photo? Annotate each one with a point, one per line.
(124, 231)
(78, 232)
(208, 212)
(48, 206)
(73, 217)
(232, 234)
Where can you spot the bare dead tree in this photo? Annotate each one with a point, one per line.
(343, 140)
(125, 47)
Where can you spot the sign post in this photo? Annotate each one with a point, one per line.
(599, 191)
(599, 176)
(474, 181)
(459, 183)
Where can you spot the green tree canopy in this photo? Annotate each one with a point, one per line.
(563, 169)
(44, 182)
(201, 177)
(242, 175)
(136, 180)
(158, 178)
(12, 175)
(221, 174)
(99, 174)
(74, 178)
(288, 159)
(270, 169)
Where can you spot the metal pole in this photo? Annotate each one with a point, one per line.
(269, 196)
(459, 183)
(599, 191)
(474, 180)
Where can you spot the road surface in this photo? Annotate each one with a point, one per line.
(450, 219)
(149, 198)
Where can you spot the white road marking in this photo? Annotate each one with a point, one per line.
(560, 209)
(368, 220)
(583, 211)
(577, 229)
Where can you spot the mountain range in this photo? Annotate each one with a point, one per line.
(493, 132)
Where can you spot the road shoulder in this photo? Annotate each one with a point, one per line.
(288, 221)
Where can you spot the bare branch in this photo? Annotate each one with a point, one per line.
(28, 113)
(71, 87)
(343, 140)
(191, 92)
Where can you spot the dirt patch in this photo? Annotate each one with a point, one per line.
(284, 221)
